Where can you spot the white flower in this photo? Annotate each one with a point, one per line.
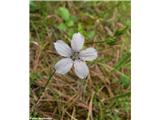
(74, 57)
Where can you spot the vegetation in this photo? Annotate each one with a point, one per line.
(105, 94)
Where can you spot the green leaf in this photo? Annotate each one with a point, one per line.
(91, 34)
(111, 41)
(62, 26)
(122, 60)
(125, 81)
(69, 23)
(80, 27)
(70, 32)
(73, 18)
(120, 31)
(32, 6)
(64, 13)
(34, 76)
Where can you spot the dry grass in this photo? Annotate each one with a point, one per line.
(105, 94)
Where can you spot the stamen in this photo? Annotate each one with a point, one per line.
(75, 56)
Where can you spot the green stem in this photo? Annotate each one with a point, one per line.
(44, 90)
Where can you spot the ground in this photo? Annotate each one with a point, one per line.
(105, 94)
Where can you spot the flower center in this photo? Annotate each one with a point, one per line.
(75, 56)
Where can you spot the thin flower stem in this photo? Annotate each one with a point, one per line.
(82, 84)
(44, 90)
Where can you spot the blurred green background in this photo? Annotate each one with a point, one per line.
(106, 92)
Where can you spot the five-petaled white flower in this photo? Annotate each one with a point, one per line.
(74, 57)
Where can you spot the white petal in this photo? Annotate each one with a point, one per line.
(88, 54)
(62, 48)
(77, 42)
(64, 65)
(81, 69)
